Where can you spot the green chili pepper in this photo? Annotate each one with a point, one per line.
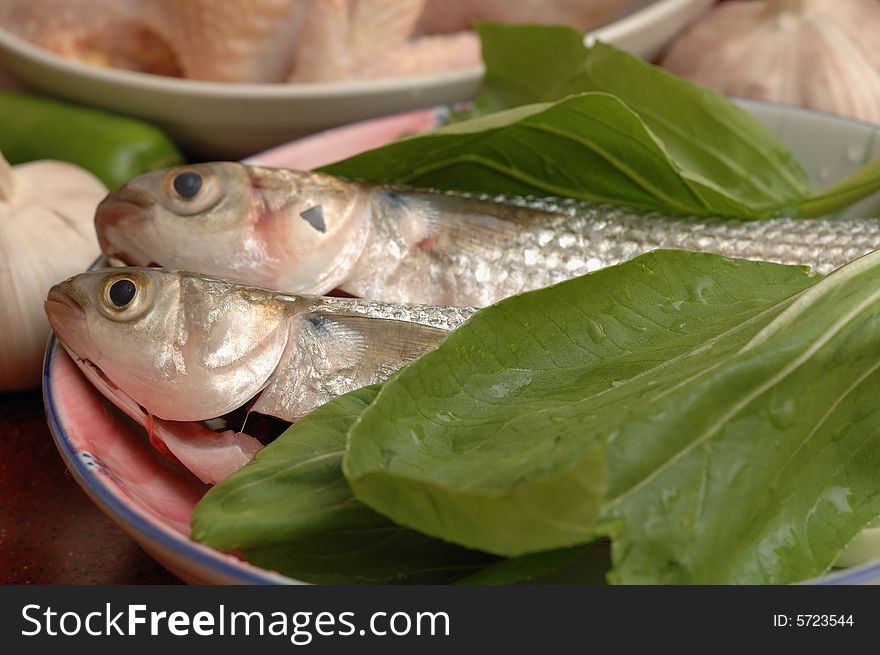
(114, 148)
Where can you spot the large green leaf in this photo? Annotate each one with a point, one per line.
(763, 465)
(705, 133)
(390, 554)
(291, 510)
(488, 439)
(385, 554)
(653, 140)
(290, 489)
(711, 139)
(575, 565)
(694, 377)
(590, 146)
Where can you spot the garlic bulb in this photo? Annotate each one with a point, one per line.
(822, 54)
(46, 235)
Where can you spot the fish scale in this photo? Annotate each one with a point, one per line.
(541, 241)
(443, 317)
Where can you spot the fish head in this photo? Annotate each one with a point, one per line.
(299, 232)
(183, 215)
(183, 347)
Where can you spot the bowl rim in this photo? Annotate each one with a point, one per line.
(231, 90)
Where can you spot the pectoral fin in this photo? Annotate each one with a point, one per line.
(332, 354)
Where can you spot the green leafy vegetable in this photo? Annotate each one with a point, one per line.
(383, 554)
(859, 185)
(590, 146)
(556, 118)
(760, 474)
(709, 137)
(692, 376)
(706, 133)
(291, 510)
(500, 413)
(292, 488)
(688, 377)
(529, 567)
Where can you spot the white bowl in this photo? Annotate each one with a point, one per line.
(229, 121)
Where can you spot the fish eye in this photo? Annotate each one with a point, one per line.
(191, 191)
(187, 184)
(125, 296)
(122, 292)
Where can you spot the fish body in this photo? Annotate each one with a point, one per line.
(307, 232)
(173, 348)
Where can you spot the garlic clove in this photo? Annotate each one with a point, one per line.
(847, 83)
(46, 235)
(821, 54)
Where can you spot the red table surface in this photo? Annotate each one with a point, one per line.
(50, 532)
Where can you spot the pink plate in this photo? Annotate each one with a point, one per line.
(149, 497)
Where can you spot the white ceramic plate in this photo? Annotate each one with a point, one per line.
(151, 499)
(230, 121)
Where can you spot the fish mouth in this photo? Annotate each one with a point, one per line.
(58, 302)
(123, 206)
(261, 427)
(126, 194)
(114, 209)
(210, 452)
(99, 380)
(120, 205)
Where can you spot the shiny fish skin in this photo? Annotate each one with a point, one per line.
(192, 348)
(544, 241)
(189, 348)
(407, 245)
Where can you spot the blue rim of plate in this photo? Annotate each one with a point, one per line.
(113, 506)
(218, 563)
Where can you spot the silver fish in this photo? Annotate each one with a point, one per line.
(307, 232)
(169, 347)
